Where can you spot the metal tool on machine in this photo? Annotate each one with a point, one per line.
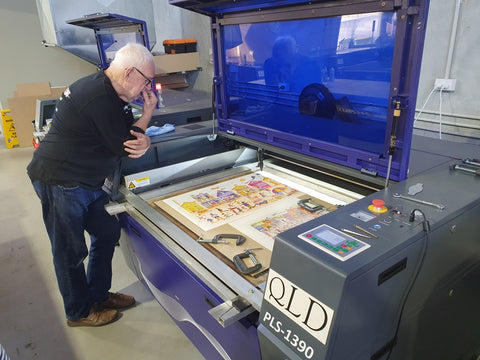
(240, 264)
(473, 162)
(220, 239)
(469, 166)
(239, 239)
(350, 232)
(311, 205)
(399, 196)
(365, 231)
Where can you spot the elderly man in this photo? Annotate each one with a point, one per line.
(92, 128)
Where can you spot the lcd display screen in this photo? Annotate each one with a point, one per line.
(326, 79)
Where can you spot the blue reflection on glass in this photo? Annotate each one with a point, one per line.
(112, 42)
(326, 79)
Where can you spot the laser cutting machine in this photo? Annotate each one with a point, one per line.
(318, 226)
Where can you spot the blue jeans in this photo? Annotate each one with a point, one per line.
(67, 214)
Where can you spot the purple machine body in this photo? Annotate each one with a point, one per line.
(326, 84)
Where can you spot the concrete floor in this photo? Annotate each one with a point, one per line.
(32, 320)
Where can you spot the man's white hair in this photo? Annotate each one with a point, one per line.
(132, 54)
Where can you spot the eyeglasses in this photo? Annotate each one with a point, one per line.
(148, 81)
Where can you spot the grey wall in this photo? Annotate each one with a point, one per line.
(24, 59)
(458, 111)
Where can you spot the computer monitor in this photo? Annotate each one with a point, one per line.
(45, 109)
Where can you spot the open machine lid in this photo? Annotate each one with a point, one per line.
(328, 81)
(112, 31)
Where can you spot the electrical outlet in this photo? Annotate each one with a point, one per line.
(445, 84)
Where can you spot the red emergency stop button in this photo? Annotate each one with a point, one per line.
(378, 206)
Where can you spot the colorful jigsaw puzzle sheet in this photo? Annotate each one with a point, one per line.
(219, 204)
(266, 224)
(281, 221)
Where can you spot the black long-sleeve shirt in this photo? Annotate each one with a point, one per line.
(85, 141)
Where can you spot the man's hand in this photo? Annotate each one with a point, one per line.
(136, 148)
(149, 101)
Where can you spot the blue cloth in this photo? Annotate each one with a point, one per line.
(155, 130)
(67, 213)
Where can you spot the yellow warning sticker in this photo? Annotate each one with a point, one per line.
(139, 183)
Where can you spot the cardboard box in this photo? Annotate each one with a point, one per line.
(172, 81)
(172, 63)
(23, 104)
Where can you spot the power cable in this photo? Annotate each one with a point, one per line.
(426, 229)
(440, 115)
(423, 107)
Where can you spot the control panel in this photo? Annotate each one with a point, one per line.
(378, 216)
(334, 242)
(342, 238)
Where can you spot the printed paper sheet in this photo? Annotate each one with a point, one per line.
(219, 204)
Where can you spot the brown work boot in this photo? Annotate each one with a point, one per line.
(97, 317)
(118, 301)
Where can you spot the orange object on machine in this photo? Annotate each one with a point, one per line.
(179, 46)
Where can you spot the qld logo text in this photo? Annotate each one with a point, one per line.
(306, 311)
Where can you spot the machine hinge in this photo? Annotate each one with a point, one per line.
(370, 172)
(217, 80)
(231, 311)
(260, 157)
(404, 4)
(413, 10)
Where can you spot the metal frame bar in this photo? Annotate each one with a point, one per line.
(183, 247)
